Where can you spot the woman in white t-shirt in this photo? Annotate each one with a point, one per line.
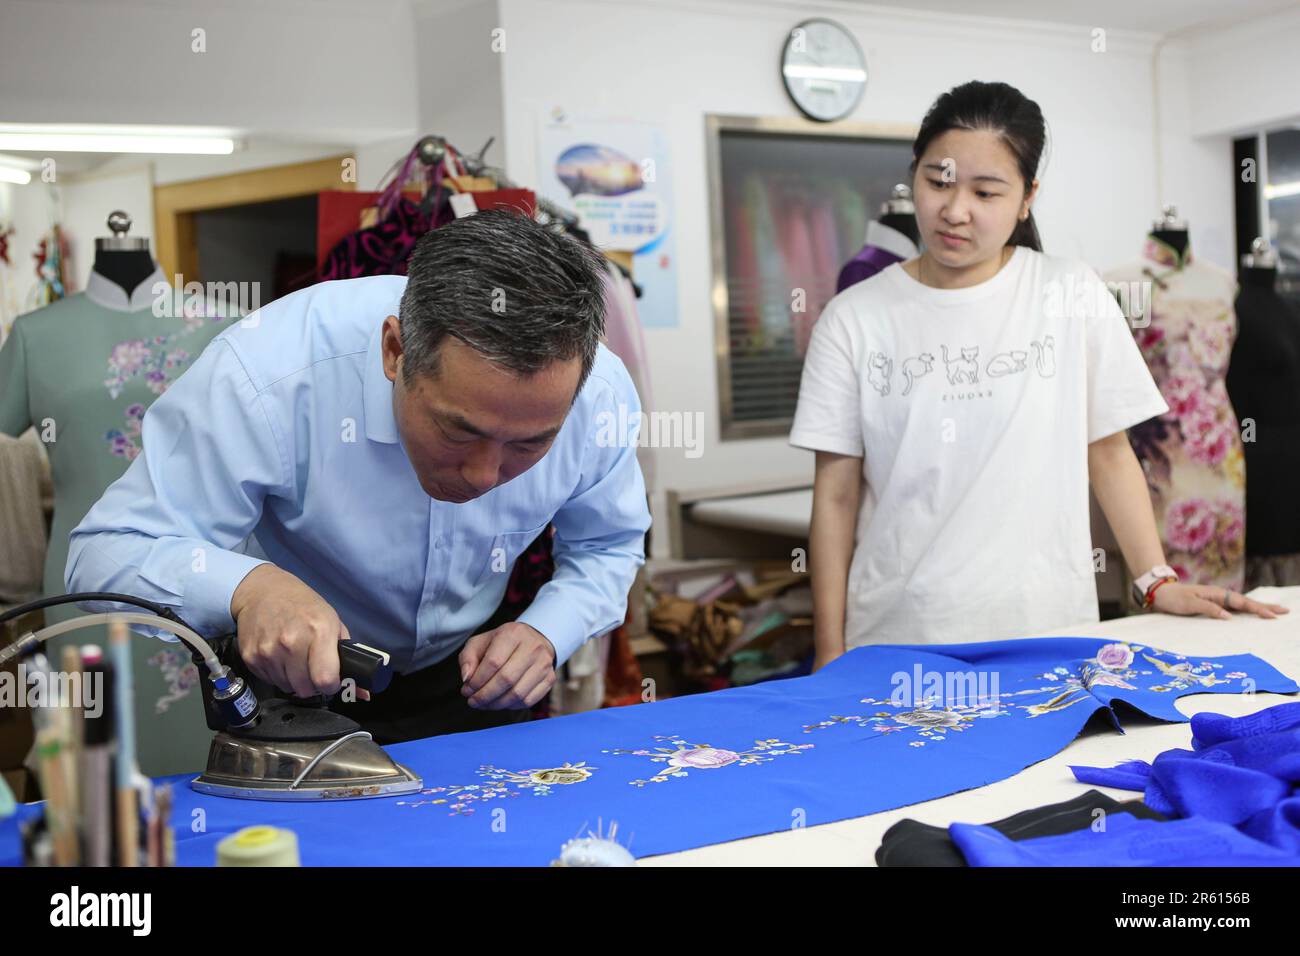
(977, 390)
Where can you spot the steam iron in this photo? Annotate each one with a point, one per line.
(295, 750)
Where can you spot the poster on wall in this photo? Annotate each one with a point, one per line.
(615, 175)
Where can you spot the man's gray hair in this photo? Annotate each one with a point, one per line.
(519, 293)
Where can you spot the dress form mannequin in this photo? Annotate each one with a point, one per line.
(891, 238)
(123, 260)
(903, 222)
(83, 371)
(1192, 455)
(1261, 381)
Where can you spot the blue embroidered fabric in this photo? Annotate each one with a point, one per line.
(879, 728)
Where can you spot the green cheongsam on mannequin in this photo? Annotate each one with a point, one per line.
(82, 371)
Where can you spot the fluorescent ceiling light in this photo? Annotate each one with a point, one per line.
(1278, 190)
(19, 162)
(851, 74)
(53, 141)
(10, 175)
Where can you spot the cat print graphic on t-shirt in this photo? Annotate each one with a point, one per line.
(879, 369)
(963, 368)
(915, 367)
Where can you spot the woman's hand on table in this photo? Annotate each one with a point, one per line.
(1210, 601)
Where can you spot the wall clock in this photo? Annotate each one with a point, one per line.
(823, 69)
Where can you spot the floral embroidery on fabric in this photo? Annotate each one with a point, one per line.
(150, 358)
(683, 756)
(1114, 665)
(157, 362)
(125, 444)
(507, 783)
(179, 672)
(154, 358)
(1116, 668)
(929, 719)
(1185, 674)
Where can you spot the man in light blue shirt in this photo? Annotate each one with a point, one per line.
(365, 459)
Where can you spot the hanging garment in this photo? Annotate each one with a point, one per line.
(384, 248)
(958, 401)
(23, 519)
(1125, 841)
(1263, 382)
(911, 843)
(885, 246)
(83, 371)
(850, 212)
(625, 338)
(826, 258)
(878, 728)
(743, 269)
(766, 294)
(1192, 454)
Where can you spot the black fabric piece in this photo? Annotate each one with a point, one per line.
(911, 843)
(1262, 383)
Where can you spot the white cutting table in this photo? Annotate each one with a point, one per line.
(854, 842)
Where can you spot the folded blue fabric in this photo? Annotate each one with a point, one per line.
(1230, 781)
(1277, 826)
(1124, 841)
(1131, 775)
(1242, 772)
(1208, 729)
(1180, 787)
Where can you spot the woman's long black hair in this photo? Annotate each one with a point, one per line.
(1002, 109)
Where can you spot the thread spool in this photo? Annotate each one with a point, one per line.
(259, 846)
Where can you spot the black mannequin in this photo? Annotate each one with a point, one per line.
(123, 260)
(1261, 383)
(1176, 239)
(1258, 276)
(904, 223)
(125, 268)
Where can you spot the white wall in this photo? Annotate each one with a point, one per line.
(459, 73)
(1215, 84)
(1246, 74)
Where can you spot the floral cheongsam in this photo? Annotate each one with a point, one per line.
(1192, 455)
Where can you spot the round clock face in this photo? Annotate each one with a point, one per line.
(823, 69)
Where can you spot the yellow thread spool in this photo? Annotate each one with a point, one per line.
(259, 846)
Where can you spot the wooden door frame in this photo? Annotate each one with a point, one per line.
(175, 204)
